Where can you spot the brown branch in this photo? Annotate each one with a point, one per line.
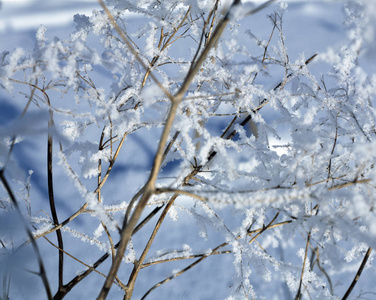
(349, 183)
(182, 271)
(112, 162)
(165, 45)
(316, 253)
(357, 276)
(71, 284)
(213, 252)
(132, 49)
(85, 205)
(148, 191)
(299, 293)
(179, 191)
(138, 264)
(212, 12)
(263, 229)
(52, 200)
(42, 271)
(149, 187)
(73, 257)
(250, 232)
(145, 265)
(333, 148)
(249, 117)
(34, 87)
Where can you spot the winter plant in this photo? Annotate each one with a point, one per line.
(169, 150)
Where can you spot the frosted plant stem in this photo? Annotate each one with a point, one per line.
(148, 192)
(213, 252)
(310, 158)
(52, 202)
(212, 12)
(65, 222)
(357, 276)
(150, 185)
(84, 206)
(132, 49)
(42, 271)
(317, 253)
(71, 284)
(149, 188)
(164, 46)
(138, 265)
(183, 271)
(299, 293)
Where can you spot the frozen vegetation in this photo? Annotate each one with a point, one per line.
(189, 150)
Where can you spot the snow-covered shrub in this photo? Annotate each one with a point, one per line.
(260, 156)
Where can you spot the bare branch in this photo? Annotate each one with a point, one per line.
(42, 271)
(357, 276)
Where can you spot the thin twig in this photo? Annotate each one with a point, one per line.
(71, 284)
(357, 276)
(149, 187)
(179, 191)
(42, 271)
(333, 148)
(85, 205)
(165, 45)
(263, 229)
(250, 232)
(349, 183)
(132, 49)
(155, 262)
(52, 200)
(299, 293)
(138, 264)
(182, 271)
(203, 34)
(316, 252)
(73, 257)
(213, 252)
